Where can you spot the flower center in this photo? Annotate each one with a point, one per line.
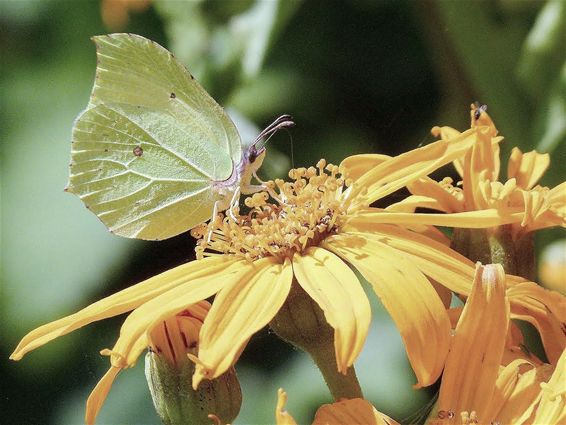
(301, 213)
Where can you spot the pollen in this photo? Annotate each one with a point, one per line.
(284, 218)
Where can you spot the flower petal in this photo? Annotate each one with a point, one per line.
(434, 259)
(468, 219)
(241, 309)
(336, 289)
(447, 133)
(527, 168)
(409, 298)
(545, 310)
(411, 203)
(446, 200)
(481, 164)
(401, 170)
(133, 333)
(282, 417)
(557, 198)
(358, 165)
(348, 412)
(99, 393)
(552, 407)
(118, 303)
(518, 392)
(473, 363)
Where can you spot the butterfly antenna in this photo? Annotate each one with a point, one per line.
(284, 121)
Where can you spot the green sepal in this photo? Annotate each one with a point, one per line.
(177, 403)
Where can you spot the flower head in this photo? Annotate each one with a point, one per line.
(478, 385)
(532, 206)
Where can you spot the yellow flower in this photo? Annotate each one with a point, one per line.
(319, 221)
(477, 386)
(535, 207)
(344, 412)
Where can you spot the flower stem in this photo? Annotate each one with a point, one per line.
(301, 322)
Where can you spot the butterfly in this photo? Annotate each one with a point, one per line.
(153, 155)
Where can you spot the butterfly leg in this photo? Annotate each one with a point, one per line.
(214, 214)
(257, 177)
(233, 204)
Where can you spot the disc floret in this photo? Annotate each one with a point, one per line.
(285, 218)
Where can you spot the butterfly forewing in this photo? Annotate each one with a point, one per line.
(136, 71)
(151, 143)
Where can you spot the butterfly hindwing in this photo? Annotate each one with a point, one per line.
(137, 187)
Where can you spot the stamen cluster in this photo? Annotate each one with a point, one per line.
(299, 214)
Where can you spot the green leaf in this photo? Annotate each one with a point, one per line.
(543, 53)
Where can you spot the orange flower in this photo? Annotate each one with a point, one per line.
(537, 206)
(478, 386)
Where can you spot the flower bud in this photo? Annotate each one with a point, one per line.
(169, 374)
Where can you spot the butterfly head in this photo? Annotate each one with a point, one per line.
(253, 157)
(255, 154)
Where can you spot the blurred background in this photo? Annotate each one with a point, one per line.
(357, 76)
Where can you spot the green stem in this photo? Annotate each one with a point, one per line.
(341, 386)
(301, 322)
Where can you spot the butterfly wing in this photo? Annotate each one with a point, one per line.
(151, 143)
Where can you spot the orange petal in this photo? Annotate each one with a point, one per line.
(434, 259)
(349, 412)
(468, 219)
(552, 407)
(99, 393)
(518, 392)
(403, 169)
(282, 417)
(411, 203)
(472, 366)
(408, 296)
(447, 133)
(133, 333)
(527, 168)
(118, 303)
(336, 289)
(447, 202)
(545, 310)
(241, 309)
(558, 198)
(357, 165)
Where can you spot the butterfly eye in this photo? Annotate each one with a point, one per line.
(252, 156)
